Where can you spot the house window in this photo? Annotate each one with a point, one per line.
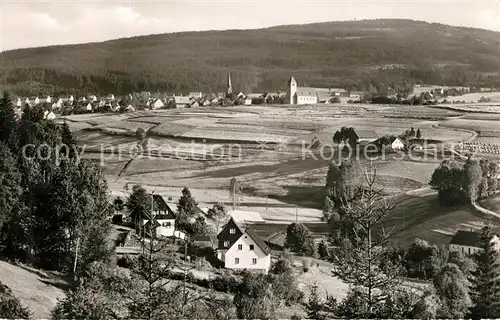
(251, 247)
(240, 247)
(226, 244)
(469, 250)
(254, 261)
(236, 260)
(232, 231)
(166, 224)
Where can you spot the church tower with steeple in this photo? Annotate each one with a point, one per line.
(292, 90)
(229, 85)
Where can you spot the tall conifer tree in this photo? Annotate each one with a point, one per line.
(485, 289)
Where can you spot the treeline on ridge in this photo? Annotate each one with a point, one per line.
(352, 55)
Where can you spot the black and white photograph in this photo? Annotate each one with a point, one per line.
(249, 159)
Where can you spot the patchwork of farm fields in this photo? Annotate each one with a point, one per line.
(473, 125)
(263, 147)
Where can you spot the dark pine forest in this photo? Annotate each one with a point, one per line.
(357, 55)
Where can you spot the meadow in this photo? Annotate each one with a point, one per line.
(264, 148)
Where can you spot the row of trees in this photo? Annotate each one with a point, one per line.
(346, 135)
(54, 204)
(365, 259)
(458, 182)
(412, 133)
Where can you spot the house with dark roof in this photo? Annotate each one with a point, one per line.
(163, 222)
(466, 242)
(239, 247)
(366, 135)
(205, 241)
(276, 240)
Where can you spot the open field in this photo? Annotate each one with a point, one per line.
(475, 125)
(142, 165)
(492, 203)
(417, 171)
(288, 178)
(482, 116)
(421, 216)
(478, 107)
(474, 97)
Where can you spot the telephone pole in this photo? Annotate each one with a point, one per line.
(76, 254)
(185, 269)
(144, 225)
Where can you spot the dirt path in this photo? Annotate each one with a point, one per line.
(473, 133)
(139, 144)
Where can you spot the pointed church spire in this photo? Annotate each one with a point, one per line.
(229, 84)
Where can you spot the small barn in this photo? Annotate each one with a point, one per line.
(276, 240)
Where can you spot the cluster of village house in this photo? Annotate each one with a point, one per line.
(294, 95)
(236, 245)
(148, 101)
(239, 246)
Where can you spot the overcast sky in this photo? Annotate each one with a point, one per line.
(29, 23)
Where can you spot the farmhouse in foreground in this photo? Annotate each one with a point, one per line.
(240, 248)
(467, 242)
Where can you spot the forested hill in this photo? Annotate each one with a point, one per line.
(337, 54)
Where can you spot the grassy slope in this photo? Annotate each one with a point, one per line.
(421, 216)
(323, 54)
(37, 290)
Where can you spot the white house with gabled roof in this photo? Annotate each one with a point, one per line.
(157, 104)
(49, 115)
(59, 103)
(397, 144)
(240, 248)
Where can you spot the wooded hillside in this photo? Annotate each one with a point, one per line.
(337, 54)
